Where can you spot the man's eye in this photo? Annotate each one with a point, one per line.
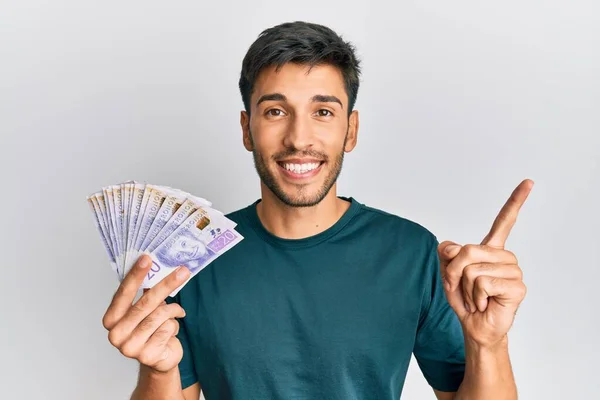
(323, 113)
(274, 112)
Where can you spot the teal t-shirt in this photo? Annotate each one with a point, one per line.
(333, 316)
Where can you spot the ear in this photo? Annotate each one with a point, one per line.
(246, 136)
(352, 135)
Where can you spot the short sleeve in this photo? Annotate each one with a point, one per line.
(439, 346)
(187, 370)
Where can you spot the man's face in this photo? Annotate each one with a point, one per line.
(299, 130)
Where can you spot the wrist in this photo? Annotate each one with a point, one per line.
(154, 384)
(488, 373)
(487, 347)
(154, 373)
(483, 359)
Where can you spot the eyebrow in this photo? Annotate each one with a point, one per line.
(318, 98)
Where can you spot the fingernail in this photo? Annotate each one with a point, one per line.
(182, 272)
(467, 307)
(451, 248)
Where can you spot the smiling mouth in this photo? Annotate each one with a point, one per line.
(300, 169)
(194, 254)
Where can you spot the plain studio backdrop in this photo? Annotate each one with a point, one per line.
(459, 102)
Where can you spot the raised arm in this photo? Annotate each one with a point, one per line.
(484, 285)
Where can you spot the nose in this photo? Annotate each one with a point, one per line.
(299, 134)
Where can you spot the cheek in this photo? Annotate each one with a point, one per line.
(333, 147)
(267, 141)
(328, 137)
(268, 144)
(331, 134)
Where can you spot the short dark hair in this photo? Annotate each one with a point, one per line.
(302, 43)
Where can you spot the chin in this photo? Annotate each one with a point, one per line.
(301, 201)
(307, 194)
(301, 195)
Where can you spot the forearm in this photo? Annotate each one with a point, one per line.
(488, 374)
(157, 385)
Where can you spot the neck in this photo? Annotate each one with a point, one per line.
(299, 222)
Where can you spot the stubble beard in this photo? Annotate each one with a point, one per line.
(300, 198)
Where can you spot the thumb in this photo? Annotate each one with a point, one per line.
(447, 250)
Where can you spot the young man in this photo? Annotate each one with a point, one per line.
(326, 297)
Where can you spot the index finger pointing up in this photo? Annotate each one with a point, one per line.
(508, 216)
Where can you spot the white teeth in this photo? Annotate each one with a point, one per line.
(300, 168)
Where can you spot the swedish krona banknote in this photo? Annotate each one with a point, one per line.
(173, 227)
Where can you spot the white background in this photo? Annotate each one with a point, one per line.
(459, 102)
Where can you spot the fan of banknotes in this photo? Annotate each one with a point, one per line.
(172, 226)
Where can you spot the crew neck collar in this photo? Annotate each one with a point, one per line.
(309, 241)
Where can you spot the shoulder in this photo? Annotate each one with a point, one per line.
(240, 214)
(237, 215)
(242, 218)
(403, 228)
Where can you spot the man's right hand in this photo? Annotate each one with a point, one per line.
(146, 331)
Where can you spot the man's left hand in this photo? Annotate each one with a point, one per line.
(484, 283)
